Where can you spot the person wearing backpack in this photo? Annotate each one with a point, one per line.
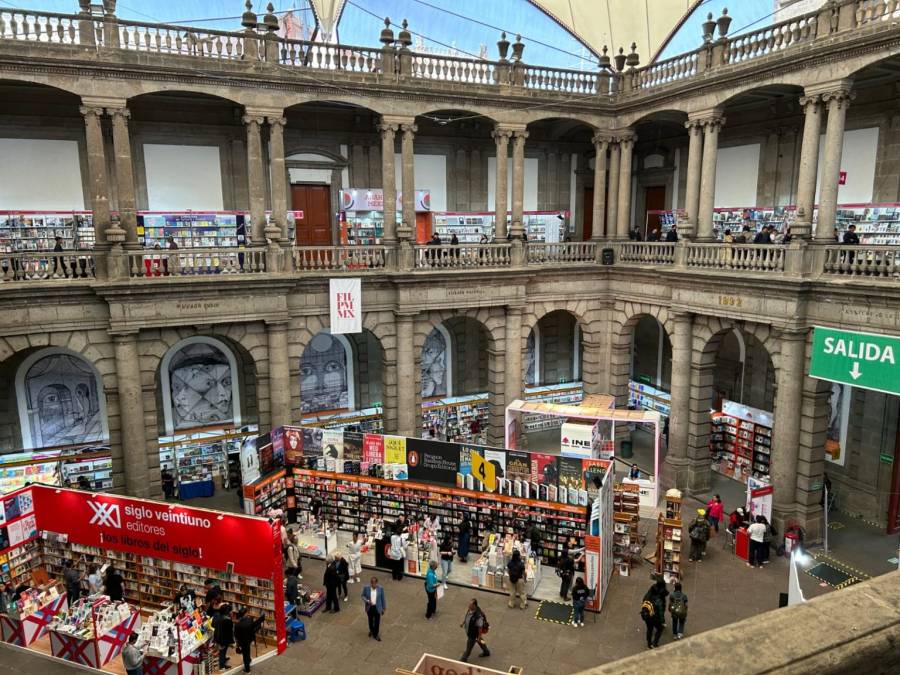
(654, 622)
(678, 608)
(516, 570)
(699, 534)
(476, 626)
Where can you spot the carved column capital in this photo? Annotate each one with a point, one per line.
(388, 128)
(601, 141)
(119, 114)
(811, 102)
(501, 134)
(276, 121)
(250, 120)
(408, 128)
(91, 113)
(841, 97)
(520, 134)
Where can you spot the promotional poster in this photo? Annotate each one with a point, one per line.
(293, 445)
(373, 449)
(353, 442)
(518, 465)
(394, 450)
(432, 461)
(333, 443)
(570, 473)
(498, 459)
(544, 470)
(312, 442)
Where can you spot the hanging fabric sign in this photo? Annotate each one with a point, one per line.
(346, 306)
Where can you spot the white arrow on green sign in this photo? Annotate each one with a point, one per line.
(865, 360)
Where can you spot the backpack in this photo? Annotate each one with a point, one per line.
(677, 607)
(648, 611)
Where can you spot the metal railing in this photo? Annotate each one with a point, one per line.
(646, 252)
(338, 258)
(195, 261)
(43, 266)
(862, 261)
(462, 256)
(749, 257)
(543, 253)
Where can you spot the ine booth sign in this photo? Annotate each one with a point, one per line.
(865, 360)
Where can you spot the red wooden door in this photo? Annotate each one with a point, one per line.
(654, 200)
(588, 220)
(314, 228)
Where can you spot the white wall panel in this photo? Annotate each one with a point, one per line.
(737, 173)
(429, 173)
(530, 202)
(858, 160)
(39, 173)
(182, 177)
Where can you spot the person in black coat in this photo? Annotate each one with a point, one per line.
(331, 581)
(224, 633)
(343, 571)
(672, 235)
(566, 571)
(245, 634)
(292, 586)
(465, 533)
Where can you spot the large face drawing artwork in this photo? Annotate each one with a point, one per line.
(323, 375)
(529, 359)
(434, 365)
(63, 402)
(200, 379)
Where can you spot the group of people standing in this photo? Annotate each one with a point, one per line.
(341, 571)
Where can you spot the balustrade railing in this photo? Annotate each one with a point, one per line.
(869, 11)
(561, 79)
(462, 256)
(42, 266)
(663, 72)
(542, 253)
(321, 56)
(647, 252)
(453, 69)
(195, 261)
(863, 261)
(16, 24)
(771, 39)
(338, 258)
(749, 257)
(186, 41)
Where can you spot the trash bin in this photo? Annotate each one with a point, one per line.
(625, 450)
(607, 257)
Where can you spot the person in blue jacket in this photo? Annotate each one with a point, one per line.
(431, 584)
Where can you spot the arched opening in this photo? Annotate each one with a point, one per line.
(206, 404)
(454, 381)
(742, 405)
(331, 149)
(559, 185)
(341, 382)
(649, 384)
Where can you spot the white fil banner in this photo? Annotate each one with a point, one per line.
(346, 306)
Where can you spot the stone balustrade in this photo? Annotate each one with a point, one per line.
(546, 253)
(462, 256)
(338, 258)
(47, 265)
(748, 257)
(108, 33)
(646, 253)
(862, 261)
(194, 262)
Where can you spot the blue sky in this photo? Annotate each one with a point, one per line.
(747, 16)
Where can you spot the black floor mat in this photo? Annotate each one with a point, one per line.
(554, 612)
(831, 575)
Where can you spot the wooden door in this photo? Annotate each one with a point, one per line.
(314, 228)
(654, 200)
(587, 228)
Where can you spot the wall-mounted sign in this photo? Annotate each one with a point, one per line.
(372, 199)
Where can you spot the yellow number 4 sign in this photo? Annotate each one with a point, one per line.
(484, 472)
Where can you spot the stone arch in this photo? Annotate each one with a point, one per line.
(466, 112)
(591, 122)
(223, 94)
(667, 114)
(43, 81)
(785, 84)
(371, 105)
(60, 399)
(545, 336)
(624, 320)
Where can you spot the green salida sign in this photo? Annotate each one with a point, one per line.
(865, 360)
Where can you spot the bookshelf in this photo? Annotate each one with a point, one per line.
(669, 539)
(460, 418)
(569, 392)
(740, 441)
(367, 421)
(191, 230)
(626, 516)
(22, 231)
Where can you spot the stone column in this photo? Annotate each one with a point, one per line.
(513, 354)
(408, 191)
(711, 127)
(131, 415)
(837, 102)
(612, 201)
(99, 186)
(623, 221)
(501, 137)
(256, 179)
(786, 434)
(809, 165)
(598, 229)
(279, 375)
(675, 470)
(406, 376)
(279, 178)
(124, 175)
(692, 190)
(389, 181)
(518, 182)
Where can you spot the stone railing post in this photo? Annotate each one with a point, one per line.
(110, 25)
(847, 15)
(86, 36)
(270, 40)
(250, 21)
(404, 39)
(681, 250)
(518, 67)
(795, 258)
(827, 21)
(517, 253)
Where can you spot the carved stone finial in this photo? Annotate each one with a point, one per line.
(249, 20)
(387, 35)
(404, 37)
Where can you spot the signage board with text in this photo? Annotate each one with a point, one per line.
(866, 360)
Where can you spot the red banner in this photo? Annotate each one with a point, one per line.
(174, 532)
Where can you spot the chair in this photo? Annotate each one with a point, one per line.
(296, 630)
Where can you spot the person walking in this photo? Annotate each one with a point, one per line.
(72, 579)
(375, 604)
(396, 553)
(291, 586)
(168, 484)
(465, 533)
(431, 586)
(672, 235)
(653, 610)
(516, 570)
(757, 532)
(94, 580)
(354, 552)
(715, 511)
(224, 633)
(475, 624)
(446, 552)
(292, 552)
(132, 657)
(245, 634)
(332, 582)
(343, 571)
(678, 608)
(698, 531)
(565, 570)
(580, 595)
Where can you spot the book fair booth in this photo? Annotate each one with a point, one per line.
(160, 551)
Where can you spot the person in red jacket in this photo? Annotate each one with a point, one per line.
(715, 511)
